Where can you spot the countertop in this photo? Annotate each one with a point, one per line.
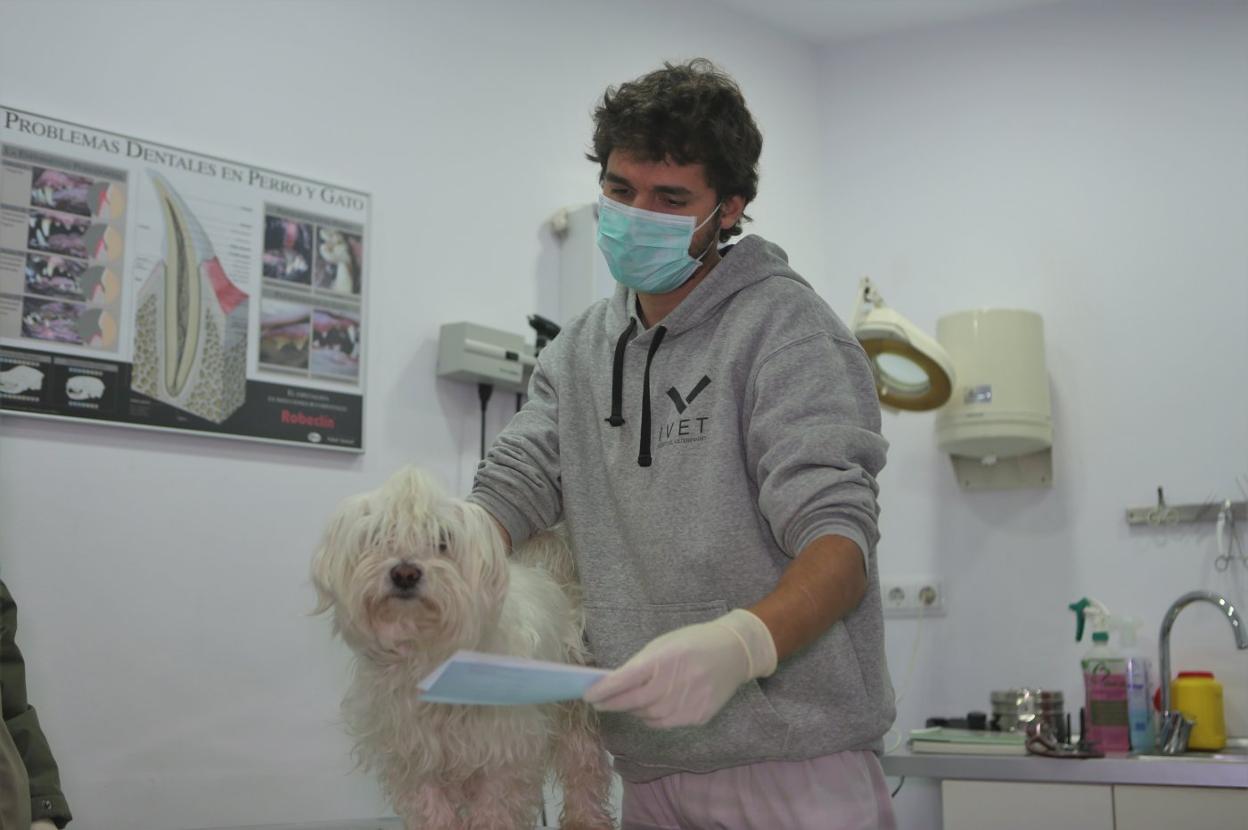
(1193, 770)
(359, 824)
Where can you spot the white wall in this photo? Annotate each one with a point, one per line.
(162, 579)
(1086, 162)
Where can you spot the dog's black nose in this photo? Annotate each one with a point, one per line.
(405, 576)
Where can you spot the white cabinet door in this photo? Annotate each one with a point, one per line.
(992, 805)
(1180, 808)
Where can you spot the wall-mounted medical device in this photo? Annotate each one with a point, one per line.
(492, 358)
(473, 353)
(998, 423)
(912, 371)
(985, 375)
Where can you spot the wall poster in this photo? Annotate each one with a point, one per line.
(149, 286)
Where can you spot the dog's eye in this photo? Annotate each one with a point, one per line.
(444, 542)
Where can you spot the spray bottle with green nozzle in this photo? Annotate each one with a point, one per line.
(1104, 680)
(1085, 609)
(1138, 667)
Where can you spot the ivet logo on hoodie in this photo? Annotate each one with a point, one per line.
(684, 430)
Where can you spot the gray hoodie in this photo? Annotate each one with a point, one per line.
(692, 461)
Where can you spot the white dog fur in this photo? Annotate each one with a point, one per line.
(413, 575)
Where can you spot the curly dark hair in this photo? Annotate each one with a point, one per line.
(689, 113)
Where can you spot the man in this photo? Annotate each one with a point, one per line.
(710, 435)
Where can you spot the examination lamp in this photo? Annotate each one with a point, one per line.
(912, 371)
(545, 329)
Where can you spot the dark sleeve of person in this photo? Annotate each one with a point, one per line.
(46, 799)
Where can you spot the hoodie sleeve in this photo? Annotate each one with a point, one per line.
(46, 799)
(518, 482)
(813, 442)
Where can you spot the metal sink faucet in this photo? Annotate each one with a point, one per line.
(1232, 616)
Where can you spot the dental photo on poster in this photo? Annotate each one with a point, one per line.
(55, 276)
(62, 191)
(339, 261)
(285, 332)
(60, 233)
(58, 276)
(62, 322)
(336, 344)
(287, 250)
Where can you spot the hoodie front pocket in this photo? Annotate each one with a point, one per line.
(748, 728)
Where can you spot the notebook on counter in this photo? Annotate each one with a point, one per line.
(943, 739)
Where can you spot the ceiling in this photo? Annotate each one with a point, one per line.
(827, 21)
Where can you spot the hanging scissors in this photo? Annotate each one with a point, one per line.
(1227, 540)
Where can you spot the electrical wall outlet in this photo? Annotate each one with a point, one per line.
(913, 597)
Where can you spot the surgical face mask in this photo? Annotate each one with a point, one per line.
(646, 250)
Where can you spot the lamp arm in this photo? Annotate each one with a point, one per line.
(867, 299)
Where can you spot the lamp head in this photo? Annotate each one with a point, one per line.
(912, 371)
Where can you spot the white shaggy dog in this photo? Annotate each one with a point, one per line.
(413, 575)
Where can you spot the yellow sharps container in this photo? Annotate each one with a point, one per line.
(1198, 695)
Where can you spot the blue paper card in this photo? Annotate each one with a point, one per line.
(473, 678)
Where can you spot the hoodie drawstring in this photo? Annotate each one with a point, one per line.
(643, 451)
(644, 459)
(617, 376)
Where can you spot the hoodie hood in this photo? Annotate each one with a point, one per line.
(742, 265)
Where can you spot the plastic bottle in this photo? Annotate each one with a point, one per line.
(1143, 734)
(1198, 695)
(1104, 681)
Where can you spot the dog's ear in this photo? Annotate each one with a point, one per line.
(324, 596)
(488, 569)
(331, 562)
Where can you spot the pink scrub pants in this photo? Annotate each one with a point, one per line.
(845, 791)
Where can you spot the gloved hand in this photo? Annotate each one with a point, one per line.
(684, 677)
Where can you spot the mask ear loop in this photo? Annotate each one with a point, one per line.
(715, 237)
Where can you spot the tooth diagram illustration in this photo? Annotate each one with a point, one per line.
(84, 388)
(20, 379)
(190, 347)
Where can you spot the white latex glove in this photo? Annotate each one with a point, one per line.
(43, 824)
(684, 677)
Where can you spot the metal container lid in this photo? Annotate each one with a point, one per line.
(1015, 702)
(1013, 695)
